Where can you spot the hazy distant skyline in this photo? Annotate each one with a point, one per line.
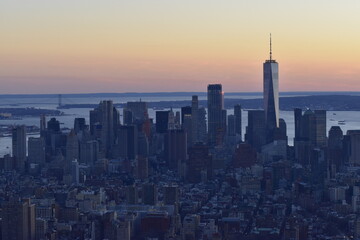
(160, 45)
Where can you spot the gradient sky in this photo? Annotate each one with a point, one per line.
(74, 46)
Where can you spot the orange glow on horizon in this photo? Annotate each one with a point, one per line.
(125, 46)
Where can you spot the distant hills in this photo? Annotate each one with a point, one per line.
(325, 102)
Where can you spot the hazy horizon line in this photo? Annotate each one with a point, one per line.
(178, 93)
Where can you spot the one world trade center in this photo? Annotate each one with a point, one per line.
(271, 96)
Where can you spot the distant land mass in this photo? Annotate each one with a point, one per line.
(33, 112)
(171, 94)
(324, 102)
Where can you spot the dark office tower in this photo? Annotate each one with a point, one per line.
(149, 194)
(53, 125)
(238, 124)
(36, 150)
(177, 119)
(42, 122)
(187, 127)
(199, 164)
(127, 117)
(72, 149)
(116, 118)
(202, 125)
(335, 137)
(18, 220)
(79, 125)
(255, 131)
(127, 142)
(176, 150)
(320, 121)
(162, 121)
(281, 132)
(215, 100)
(231, 125)
(185, 111)
(335, 150)
(310, 133)
(221, 132)
(139, 110)
(194, 120)
(89, 152)
(103, 116)
(143, 145)
(297, 118)
(271, 96)
(313, 127)
(354, 141)
(19, 147)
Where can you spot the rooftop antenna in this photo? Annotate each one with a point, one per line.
(270, 48)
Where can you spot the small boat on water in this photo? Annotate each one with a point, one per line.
(342, 122)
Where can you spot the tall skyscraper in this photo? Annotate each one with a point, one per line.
(231, 125)
(127, 142)
(79, 125)
(310, 132)
(162, 121)
(19, 147)
(199, 164)
(215, 98)
(106, 118)
(187, 127)
(89, 152)
(202, 125)
(271, 95)
(36, 150)
(320, 121)
(238, 125)
(53, 125)
(42, 122)
(139, 110)
(72, 149)
(194, 119)
(18, 220)
(176, 150)
(354, 153)
(185, 111)
(335, 150)
(255, 131)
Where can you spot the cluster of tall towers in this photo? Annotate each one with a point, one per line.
(265, 124)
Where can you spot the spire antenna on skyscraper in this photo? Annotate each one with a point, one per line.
(270, 48)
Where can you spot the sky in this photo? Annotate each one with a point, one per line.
(82, 46)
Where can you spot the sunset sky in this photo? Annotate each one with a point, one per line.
(76, 46)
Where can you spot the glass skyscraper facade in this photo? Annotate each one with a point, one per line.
(271, 94)
(215, 112)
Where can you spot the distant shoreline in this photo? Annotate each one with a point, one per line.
(157, 94)
(320, 102)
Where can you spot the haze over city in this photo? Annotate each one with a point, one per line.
(151, 46)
